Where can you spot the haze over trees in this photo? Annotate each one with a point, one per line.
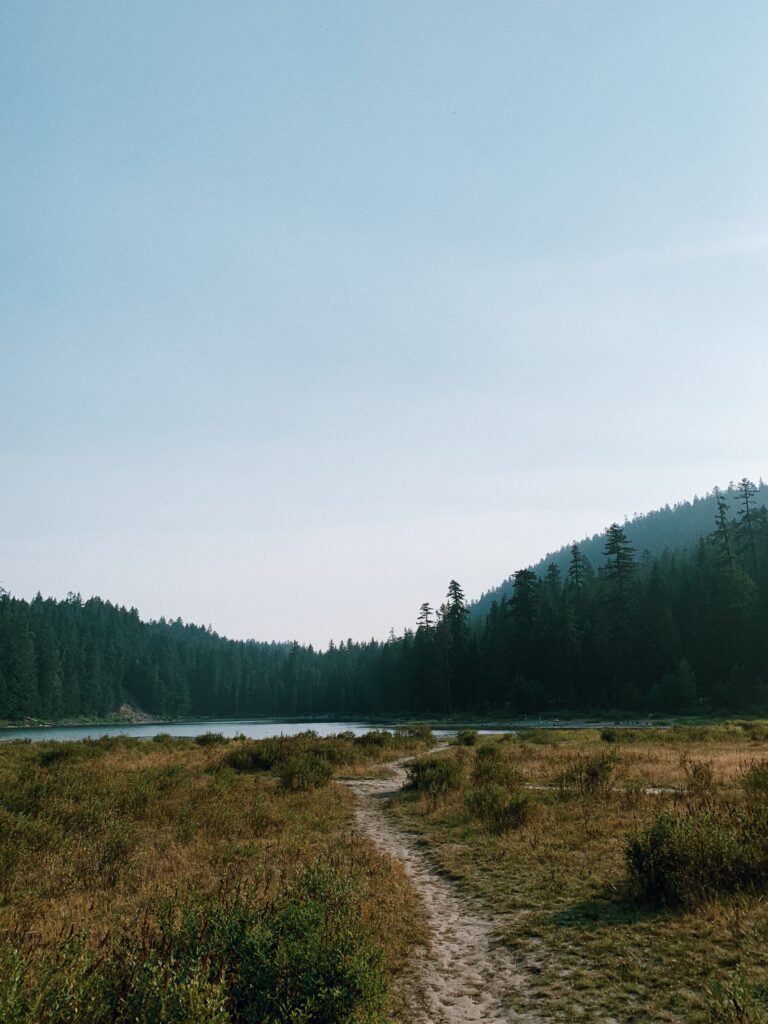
(675, 628)
(671, 527)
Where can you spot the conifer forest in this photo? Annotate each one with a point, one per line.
(664, 629)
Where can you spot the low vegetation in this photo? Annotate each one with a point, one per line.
(222, 881)
(685, 858)
(203, 882)
(629, 865)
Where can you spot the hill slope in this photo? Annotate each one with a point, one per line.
(674, 527)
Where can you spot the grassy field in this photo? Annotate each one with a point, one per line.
(218, 881)
(540, 826)
(208, 881)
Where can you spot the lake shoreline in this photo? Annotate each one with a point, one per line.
(439, 721)
(148, 727)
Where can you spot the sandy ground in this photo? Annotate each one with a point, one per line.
(468, 974)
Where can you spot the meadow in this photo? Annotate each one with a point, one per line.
(626, 868)
(225, 881)
(202, 882)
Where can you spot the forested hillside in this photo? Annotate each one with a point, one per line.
(686, 630)
(675, 527)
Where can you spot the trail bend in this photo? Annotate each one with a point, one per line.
(467, 974)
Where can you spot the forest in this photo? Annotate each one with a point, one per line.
(681, 630)
(671, 527)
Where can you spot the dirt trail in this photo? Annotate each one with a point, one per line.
(468, 974)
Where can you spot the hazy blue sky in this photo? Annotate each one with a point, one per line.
(307, 307)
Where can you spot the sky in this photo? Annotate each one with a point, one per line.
(307, 308)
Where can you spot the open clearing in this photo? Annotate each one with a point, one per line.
(529, 835)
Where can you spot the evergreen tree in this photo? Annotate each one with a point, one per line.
(745, 529)
(620, 560)
(722, 528)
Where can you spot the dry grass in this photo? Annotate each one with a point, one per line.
(559, 884)
(93, 836)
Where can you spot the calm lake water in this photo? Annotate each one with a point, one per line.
(261, 728)
(257, 729)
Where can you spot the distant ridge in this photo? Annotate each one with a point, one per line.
(677, 526)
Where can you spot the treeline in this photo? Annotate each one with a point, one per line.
(684, 631)
(673, 527)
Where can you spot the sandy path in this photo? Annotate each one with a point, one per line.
(468, 975)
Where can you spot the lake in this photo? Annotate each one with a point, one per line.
(262, 728)
(257, 729)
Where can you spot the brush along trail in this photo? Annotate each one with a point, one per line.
(468, 974)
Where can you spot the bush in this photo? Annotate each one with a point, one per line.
(305, 771)
(337, 750)
(211, 739)
(588, 776)
(436, 777)
(702, 853)
(251, 757)
(416, 731)
(375, 738)
(622, 734)
(499, 808)
(467, 737)
(277, 752)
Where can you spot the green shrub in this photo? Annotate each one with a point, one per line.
(305, 771)
(211, 739)
(436, 777)
(467, 737)
(376, 738)
(337, 750)
(498, 807)
(416, 731)
(251, 756)
(704, 852)
(275, 753)
(622, 734)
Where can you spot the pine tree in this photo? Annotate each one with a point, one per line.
(576, 568)
(424, 620)
(722, 528)
(745, 530)
(620, 564)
